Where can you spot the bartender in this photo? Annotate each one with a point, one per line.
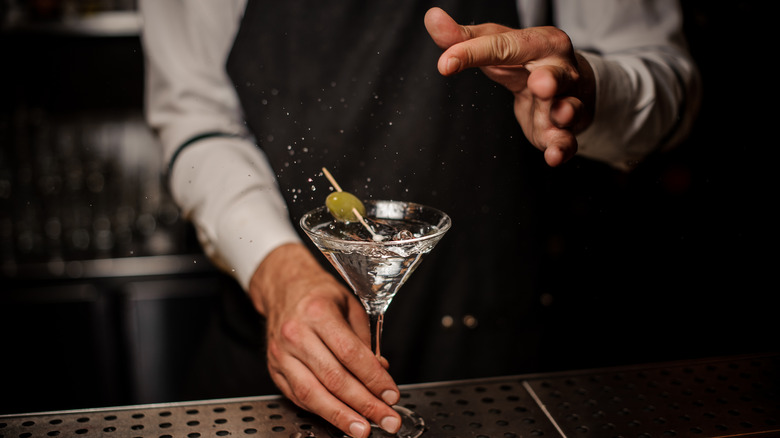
(250, 99)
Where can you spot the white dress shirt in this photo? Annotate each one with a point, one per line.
(647, 88)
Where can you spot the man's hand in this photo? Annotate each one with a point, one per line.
(318, 344)
(554, 87)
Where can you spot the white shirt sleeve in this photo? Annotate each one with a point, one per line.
(647, 85)
(223, 184)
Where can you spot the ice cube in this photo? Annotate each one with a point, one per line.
(403, 235)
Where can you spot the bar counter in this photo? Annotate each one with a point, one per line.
(716, 397)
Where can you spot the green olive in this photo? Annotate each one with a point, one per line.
(341, 204)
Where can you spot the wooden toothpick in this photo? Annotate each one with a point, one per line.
(376, 237)
(336, 186)
(331, 179)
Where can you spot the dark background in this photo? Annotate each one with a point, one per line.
(673, 260)
(684, 243)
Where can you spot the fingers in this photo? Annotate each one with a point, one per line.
(318, 337)
(561, 113)
(378, 380)
(325, 367)
(385, 365)
(537, 64)
(559, 145)
(461, 52)
(549, 115)
(554, 156)
(552, 84)
(353, 353)
(332, 394)
(546, 82)
(443, 29)
(304, 389)
(491, 44)
(358, 320)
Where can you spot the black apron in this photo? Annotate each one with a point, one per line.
(353, 86)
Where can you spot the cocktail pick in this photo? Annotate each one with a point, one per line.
(337, 187)
(332, 180)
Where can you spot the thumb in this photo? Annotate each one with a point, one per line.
(443, 29)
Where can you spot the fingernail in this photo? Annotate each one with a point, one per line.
(453, 65)
(357, 429)
(390, 424)
(390, 397)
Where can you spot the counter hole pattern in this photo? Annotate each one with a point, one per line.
(720, 398)
(681, 401)
(248, 418)
(484, 410)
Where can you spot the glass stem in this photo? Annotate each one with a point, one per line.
(375, 320)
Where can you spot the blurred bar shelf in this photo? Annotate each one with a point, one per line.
(717, 397)
(116, 23)
(112, 267)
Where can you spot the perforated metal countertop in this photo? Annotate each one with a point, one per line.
(725, 397)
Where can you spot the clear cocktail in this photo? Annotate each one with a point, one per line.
(377, 258)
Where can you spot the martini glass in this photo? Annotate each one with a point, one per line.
(377, 263)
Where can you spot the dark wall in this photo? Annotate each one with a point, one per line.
(67, 73)
(675, 259)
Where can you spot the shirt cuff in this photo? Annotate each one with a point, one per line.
(227, 190)
(606, 137)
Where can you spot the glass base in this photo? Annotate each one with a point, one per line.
(412, 426)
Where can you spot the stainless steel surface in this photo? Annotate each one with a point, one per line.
(710, 398)
(717, 398)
